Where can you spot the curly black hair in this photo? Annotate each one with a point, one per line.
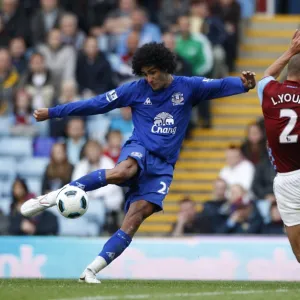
(154, 54)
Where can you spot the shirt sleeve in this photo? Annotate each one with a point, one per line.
(120, 97)
(205, 88)
(261, 86)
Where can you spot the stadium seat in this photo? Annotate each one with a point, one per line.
(32, 166)
(35, 185)
(16, 146)
(6, 187)
(8, 167)
(5, 205)
(4, 126)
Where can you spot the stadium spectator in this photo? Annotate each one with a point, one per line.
(121, 15)
(168, 17)
(71, 34)
(262, 188)
(149, 32)
(75, 140)
(241, 216)
(262, 185)
(123, 123)
(59, 170)
(115, 23)
(276, 225)
(15, 22)
(60, 59)
(43, 224)
(68, 93)
(230, 13)
(123, 65)
(19, 55)
(238, 170)
(4, 36)
(97, 13)
(196, 49)
(93, 71)
(23, 122)
(187, 219)
(106, 200)
(183, 67)
(254, 147)
(37, 81)
(44, 20)
(210, 215)
(114, 141)
(9, 78)
(212, 26)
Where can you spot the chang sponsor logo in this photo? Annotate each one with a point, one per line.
(163, 124)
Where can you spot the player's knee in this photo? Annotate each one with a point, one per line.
(119, 174)
(122, 172)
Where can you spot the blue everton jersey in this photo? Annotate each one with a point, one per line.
(160, 117)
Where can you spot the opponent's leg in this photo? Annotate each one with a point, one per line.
(97, 179)
(114, 247)
(293, 233)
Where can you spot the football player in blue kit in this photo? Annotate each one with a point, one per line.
(161, 106)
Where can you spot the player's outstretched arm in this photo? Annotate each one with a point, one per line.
(120, 97)
(95, 105)
(207, 89)
(276, 68)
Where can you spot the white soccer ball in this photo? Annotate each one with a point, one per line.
(72, 202)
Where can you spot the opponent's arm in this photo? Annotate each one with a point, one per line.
(100, 104)
(277, 67)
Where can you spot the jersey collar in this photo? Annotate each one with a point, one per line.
(290, 82)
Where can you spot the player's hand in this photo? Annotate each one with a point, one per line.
(295, 44)
(41, 114)
(248, 79)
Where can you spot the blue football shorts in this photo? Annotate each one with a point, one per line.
(153, 179)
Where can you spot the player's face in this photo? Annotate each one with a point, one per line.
(156, 78)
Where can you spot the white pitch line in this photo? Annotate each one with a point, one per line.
(177, 295)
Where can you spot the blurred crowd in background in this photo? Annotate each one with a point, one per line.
(54, 52)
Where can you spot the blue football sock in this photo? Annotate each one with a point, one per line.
(91, 181)
(115, 246)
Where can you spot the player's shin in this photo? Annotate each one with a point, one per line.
(113, 248)
(91, 181)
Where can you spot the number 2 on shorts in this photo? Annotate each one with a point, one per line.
(164, 190)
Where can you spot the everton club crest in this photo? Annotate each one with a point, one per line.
(177, 99)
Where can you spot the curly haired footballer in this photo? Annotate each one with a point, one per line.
(154, 54)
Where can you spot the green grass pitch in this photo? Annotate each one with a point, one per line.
(26, 289)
